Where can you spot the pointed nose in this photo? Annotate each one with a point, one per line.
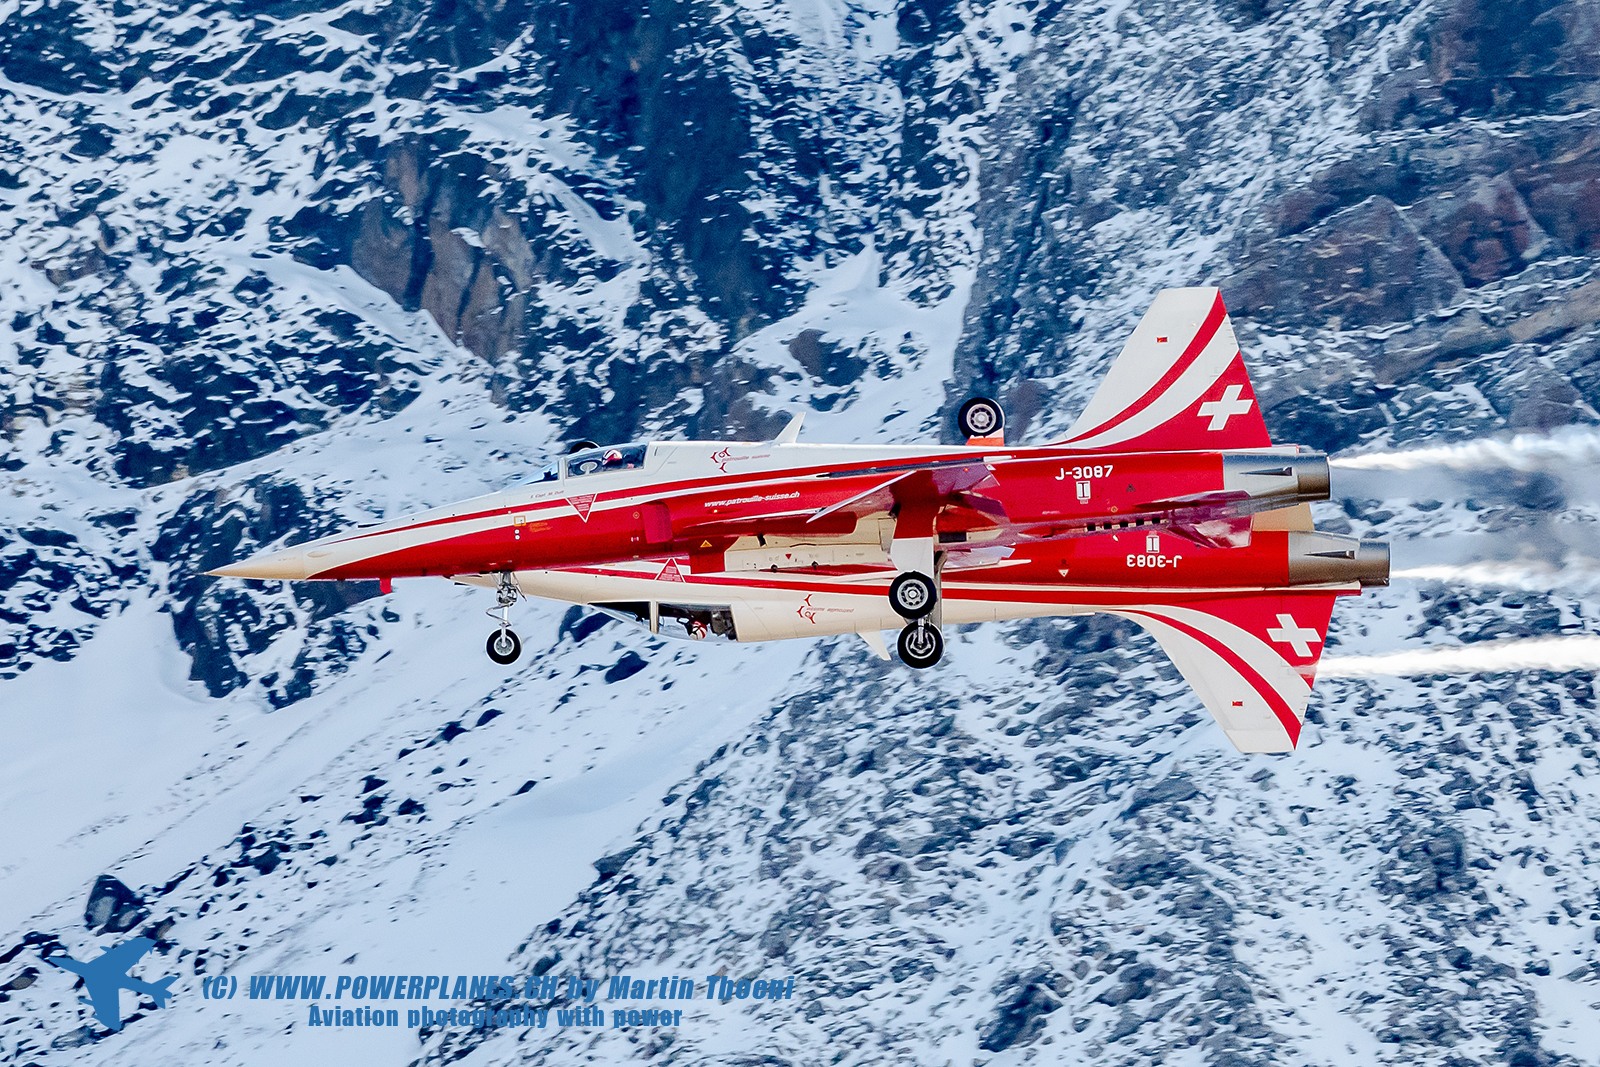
(287, 563)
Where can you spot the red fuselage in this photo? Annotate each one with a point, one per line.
(701, 500)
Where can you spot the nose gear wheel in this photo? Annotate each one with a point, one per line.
(504, 646)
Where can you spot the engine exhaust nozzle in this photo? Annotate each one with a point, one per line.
(1317, 558)
(1280, 477)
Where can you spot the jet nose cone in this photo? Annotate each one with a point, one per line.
(287, 563)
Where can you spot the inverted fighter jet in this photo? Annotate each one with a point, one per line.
(1166, 503)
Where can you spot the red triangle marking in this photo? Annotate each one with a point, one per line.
(582, 504)
(670, 572)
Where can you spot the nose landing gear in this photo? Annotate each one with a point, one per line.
(504, 646)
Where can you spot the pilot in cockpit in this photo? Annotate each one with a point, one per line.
(617, 459)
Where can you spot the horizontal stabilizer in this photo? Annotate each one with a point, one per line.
(160, 991)
(1251, 658)
(1294, 517)
(1179, 384)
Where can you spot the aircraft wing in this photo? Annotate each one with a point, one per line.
(923, 486)
(119, 959)
(942, 485)
(105, 994)
(1250, 657)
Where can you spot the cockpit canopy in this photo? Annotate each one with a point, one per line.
(628, 457)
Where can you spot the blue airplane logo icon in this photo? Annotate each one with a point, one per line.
(106, 976)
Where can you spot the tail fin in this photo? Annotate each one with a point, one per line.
(1179, 384)
(1250, 657)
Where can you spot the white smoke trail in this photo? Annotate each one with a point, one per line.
(1572, 575)
(1487, 657)
(1571, 446)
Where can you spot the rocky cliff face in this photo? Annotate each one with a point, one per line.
(272, 270)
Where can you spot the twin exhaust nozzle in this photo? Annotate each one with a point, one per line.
(1315, 558)
(1286, 477)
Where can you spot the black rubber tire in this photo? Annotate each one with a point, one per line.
(913, 595)
(580, 446)
(981, 417)
(504, 646)
(920, 645)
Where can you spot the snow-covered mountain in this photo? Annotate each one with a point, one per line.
(273, 269)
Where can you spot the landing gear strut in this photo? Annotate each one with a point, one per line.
(504, 646)
(914, 594)
(915, 597)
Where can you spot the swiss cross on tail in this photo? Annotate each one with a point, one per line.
(1250, 657)
(1179, 384)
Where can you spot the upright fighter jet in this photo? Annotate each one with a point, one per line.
(106, 976)
(1166, 503)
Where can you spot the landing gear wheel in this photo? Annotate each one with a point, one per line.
(504, 647)
(912, 595)
(921, 645)
(980, 417)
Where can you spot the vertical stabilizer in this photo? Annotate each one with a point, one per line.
(1180, 384)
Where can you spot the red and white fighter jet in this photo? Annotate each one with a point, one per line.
(1167, 504)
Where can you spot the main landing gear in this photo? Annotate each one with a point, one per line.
(920, 645)
(915, 598)
(913, 595)
(504, 646)
(914, 548)
(981, 417)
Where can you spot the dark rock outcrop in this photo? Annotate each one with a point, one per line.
(113, 907)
